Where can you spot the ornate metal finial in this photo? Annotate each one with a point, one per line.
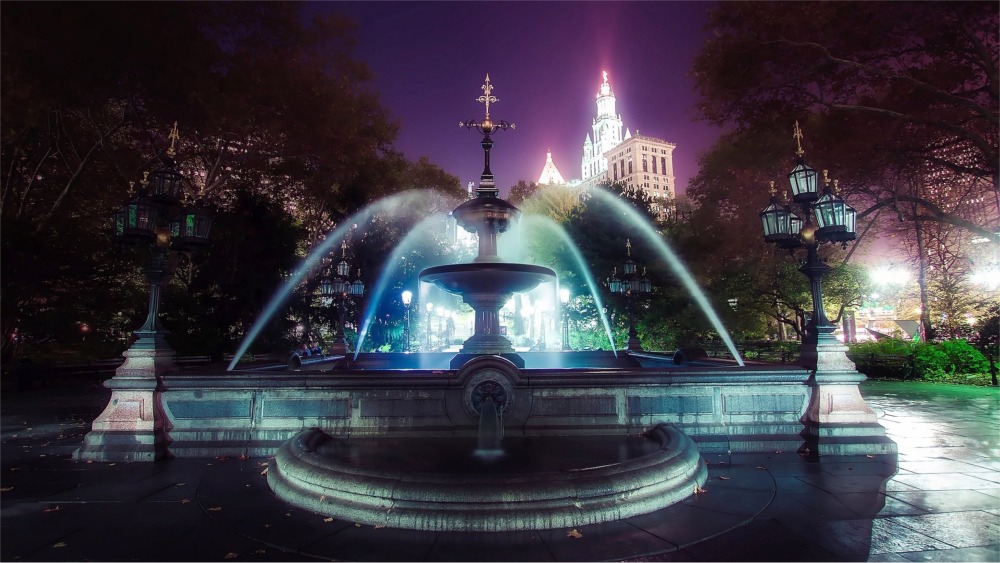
(628, 247)
(614, 271)
(487, 97)
(343, 249)
(836, 186)
(359, 273)
(605, 74)
(174, 136)
(145, 180)
(797, 135)
(785, 195)
(773, 190)
(826, 177)
(131, 187)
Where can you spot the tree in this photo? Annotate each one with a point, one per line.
(890, 90)
(521, 192)
(272, 108)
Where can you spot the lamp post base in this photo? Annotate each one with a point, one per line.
(131, 428)
(837, 420)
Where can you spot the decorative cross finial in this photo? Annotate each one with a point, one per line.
(145, 180)
(826, 177)
(836, 186)
(773, 191)
(174, 136)
(343, 249)
(628, 247)
(487, 98)
(797, 135)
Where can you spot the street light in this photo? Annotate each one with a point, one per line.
(407, 299)
(430, 309)
(161, 219)
(628, 285)
(564, 299)
(340, 290)
(834, 223)
(837, 419)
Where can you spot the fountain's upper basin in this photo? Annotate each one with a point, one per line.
(487, 277)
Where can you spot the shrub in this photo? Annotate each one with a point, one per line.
(930, 362)
(963, 357)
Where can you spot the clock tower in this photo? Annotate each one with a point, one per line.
(607, 133)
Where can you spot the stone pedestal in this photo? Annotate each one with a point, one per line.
(132, 426)
(837, 419)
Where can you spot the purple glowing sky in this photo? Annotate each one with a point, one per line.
(545, 61)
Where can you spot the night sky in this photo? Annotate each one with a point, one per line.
(545, 61)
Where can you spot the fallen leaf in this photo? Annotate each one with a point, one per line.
(208, 464)
(222, 457)
(322, 498)
(262, 464)
(244, 457)
(55, 508)
(215, 509)
(356, 525)
(260, 552)
(721, 478)
(869, 456)
(112, 464)
(574, 534)
(267, 525)
(698, 490)
(90, 461)
(761, 467)
(288, 514)
(185, 500)
(328, 519)
(264, 472)
(777, 451)
(379, 526)
(59, 544)
(180, 484)
(232, 555)
(6, 489)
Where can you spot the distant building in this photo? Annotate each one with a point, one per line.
(609, 156)
(550, 174)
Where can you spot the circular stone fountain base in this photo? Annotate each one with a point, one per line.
(532, 487)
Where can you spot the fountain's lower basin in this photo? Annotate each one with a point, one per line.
(438, 484)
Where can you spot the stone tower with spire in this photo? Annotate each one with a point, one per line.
(607, 133)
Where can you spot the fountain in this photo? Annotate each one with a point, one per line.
(489, 439)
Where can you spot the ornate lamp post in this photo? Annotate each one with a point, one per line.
(341, 291)
(161, 219)
(430, 308)
(407, 297)
(836, 398)
(564, 299)
(630, 284)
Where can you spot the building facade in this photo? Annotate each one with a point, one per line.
(611, 154)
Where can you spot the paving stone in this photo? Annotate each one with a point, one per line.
(948, 501)
(946, 482)
(989, 553)
(956, 529)
(891, 536)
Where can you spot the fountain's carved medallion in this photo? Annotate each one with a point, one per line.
(488, 382)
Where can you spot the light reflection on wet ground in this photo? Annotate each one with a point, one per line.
(943, 504)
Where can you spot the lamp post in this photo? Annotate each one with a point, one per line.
(341, 290)
(628, 285)
(427, 326)
(407, 297)
(564, 299)
(836, 400)
(161, 219)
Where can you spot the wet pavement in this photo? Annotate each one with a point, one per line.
(940, 501)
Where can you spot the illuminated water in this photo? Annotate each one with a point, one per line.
(676, 266)
(542, 222)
